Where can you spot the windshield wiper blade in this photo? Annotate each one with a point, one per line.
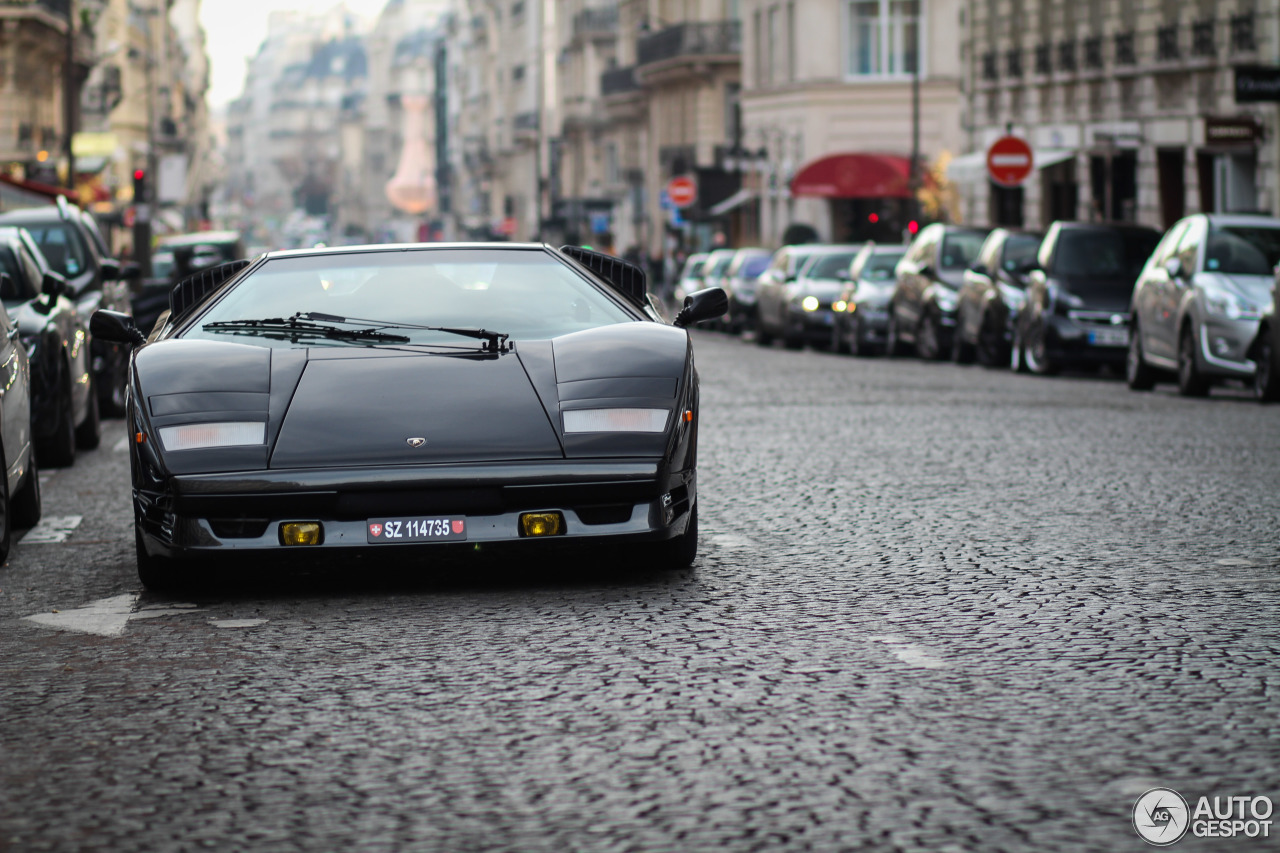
(293, 328)
(494, 341)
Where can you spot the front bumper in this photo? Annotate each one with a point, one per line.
(1224, 347)
(1089, 338)
(601, 502)
(811, 325)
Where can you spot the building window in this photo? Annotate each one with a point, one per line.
(1125, 53)
(1202, 38)
(758, 21)
(1242, 40)
(611, 173)
(517, 73)
(1167, 42)
(883, 37)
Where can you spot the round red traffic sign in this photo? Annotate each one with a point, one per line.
(682, 191)
(1009, 161)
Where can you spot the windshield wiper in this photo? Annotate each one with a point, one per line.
(294, 329)
(494, 341)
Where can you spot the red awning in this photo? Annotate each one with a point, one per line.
(47, 190)
(854, 176)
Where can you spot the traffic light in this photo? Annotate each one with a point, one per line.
(913, 226)
(873, 218)
(139, 186)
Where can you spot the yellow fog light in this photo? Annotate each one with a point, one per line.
(541, 524)
(301, 533)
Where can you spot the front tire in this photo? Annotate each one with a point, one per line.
(157, 574)
(1266, 383)
(991, 346)
(1191, 382)
(962, 352)
(1037, 356)
(27, 506)
(89, 433)
(59, 449)
(929, 338)
(679, 552)
(1138, 375)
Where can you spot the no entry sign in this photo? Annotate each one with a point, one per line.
(682, 191)
(1009, 161)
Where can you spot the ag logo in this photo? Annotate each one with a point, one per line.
(1161, 816)
(375, 530)
(415, 442)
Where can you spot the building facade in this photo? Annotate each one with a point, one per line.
(1130, 108)
(829, 116)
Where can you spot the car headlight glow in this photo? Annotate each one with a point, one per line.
(198, 436)
(1224, 304)
(809, 303)
(841, 305)
(615, 420)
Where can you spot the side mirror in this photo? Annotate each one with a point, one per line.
(115, 327)
(1173, 266)
(702, 305)
(53, 285)
(110, 269)
(979, 269)
(925, 271)
(130, 271)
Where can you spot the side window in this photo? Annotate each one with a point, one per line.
(35, 278)
(1189, 245)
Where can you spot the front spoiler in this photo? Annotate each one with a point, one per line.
(600, 500)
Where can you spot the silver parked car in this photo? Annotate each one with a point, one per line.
(1197, 304)
(740, 283)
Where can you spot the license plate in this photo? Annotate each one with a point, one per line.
(1118, 337)
(381, 531)
(828, 319)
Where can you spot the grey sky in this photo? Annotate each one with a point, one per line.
(235, 29)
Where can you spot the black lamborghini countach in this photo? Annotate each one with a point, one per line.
(411, 397)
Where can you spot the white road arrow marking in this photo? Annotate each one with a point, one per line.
(52, 528)
(108, 616)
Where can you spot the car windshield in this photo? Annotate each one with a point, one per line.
(717, 266)
(1103, 254)
(61, 248)
(1019, 249)
(880, 266)
(525, 293)
(831, 265)
(693, 267)
(1243, 250)
(752, 267)
(959, 248)
(162, 264)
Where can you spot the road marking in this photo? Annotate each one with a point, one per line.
(108, 616)
(52, 529)
(910, 653)
(121, 446)
(237, 623)
(1235, 561)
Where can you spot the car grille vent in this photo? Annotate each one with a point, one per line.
(604, 513)
(238, 528)
(190, 292)
(626, 278)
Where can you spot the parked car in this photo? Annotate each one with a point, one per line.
(715, 270)
(862, 306)
(922, 309)
(1198, 303)
(690, 278)
(176, 257)
(1076, 312)
(991, 295)
(278, 473)
(20, 498)
(64, 407)
(1265, 351)
(75, 249)
(740, 283)
(795, 308)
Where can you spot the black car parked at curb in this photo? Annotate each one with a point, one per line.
(74, 247)
(64, 407)
(922, 309)
(1076, 312)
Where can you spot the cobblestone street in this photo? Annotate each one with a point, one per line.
(935, 607)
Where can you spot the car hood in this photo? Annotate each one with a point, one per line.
(874, 293)
(823, 288)
(1255, 289)
(1099, 294)
(372, 410)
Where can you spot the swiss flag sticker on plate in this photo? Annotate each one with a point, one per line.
(457, 524)
(375, 529)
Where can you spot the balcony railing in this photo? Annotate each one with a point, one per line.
(696, 38)
(1242, 39)
(1125, 52)
(615, 81)
(1013, 61)
(1167, 42)
(599, 21)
